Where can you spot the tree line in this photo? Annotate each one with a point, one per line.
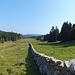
(9, 36)
(67, 33)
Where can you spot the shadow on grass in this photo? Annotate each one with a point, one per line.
(62, 44)
(31, 67)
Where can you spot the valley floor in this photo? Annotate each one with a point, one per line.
(16, 59)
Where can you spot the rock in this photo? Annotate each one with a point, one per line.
(72, 66)
(56, 72)
(67, 65)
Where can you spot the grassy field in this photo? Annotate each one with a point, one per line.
(62, 51)
(15, 59)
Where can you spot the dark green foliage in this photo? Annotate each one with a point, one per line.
(46, 37)
(9, 36)
(59, 37)
(40, 38)
(72, 34)
(2, 40)
(53, 35)
(67, 33)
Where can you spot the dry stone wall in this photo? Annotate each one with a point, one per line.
(52, 66)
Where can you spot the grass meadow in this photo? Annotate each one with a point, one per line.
(60, 50)
(16, 59)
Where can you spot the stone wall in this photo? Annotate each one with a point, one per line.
(52, 66)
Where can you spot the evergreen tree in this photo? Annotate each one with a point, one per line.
(72, 34)
(65, 31)
(46, 37)
(53, 36)
(9, 36)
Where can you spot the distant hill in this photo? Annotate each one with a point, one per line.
(31, 35)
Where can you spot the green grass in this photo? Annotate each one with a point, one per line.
(61, 51)
(16, 59)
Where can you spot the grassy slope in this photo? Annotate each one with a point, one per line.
(62, 51)
(15, 59)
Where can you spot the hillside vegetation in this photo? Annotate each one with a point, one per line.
(9, 36)
(65, 34)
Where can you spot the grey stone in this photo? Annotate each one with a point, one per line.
(72, 66)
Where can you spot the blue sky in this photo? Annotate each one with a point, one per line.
(35, 16)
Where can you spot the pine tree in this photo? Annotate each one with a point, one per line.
(65, 31)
